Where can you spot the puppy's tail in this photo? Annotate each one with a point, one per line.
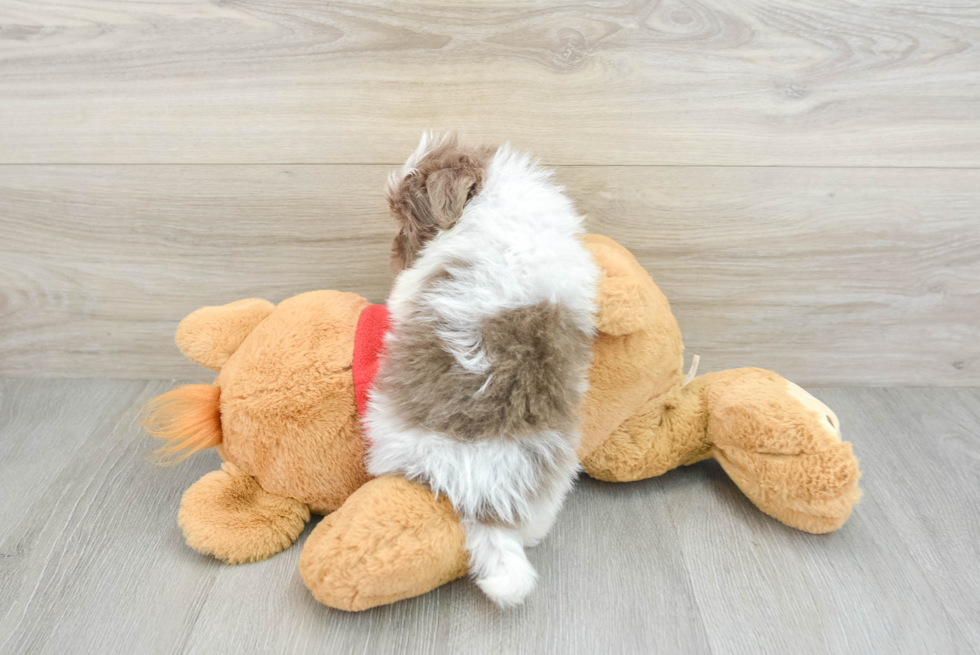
(187, 418)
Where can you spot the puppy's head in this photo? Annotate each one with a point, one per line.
(429, 193)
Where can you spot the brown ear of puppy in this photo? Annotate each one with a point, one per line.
(442, 177)
(424, 206)
(412, 208)
(448, 190)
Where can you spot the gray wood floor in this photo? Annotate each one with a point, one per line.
(92, 560)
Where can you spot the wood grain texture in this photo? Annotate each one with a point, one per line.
(828, 276)
(797, 82)
(875, 585)
(927, 486)
(683, 563)
(81, 567)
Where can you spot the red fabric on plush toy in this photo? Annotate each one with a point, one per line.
(368, 344)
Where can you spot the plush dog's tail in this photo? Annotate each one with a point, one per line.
(188, 418)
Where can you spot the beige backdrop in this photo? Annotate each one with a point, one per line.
(801, 178)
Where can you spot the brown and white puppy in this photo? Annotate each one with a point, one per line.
(489, 349)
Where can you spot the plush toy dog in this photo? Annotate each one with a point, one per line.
(284, 412)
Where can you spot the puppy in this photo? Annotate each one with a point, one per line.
(489, 349)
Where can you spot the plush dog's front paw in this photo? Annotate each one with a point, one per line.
(783, 448)
(392, 539)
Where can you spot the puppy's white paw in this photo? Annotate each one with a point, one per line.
(509, 586)
(533, 540)
(498, 563)
(533, 534)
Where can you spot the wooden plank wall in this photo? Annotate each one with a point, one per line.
(801, 178)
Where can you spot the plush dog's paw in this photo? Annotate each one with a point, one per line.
(392, 539)
(783, 448)
(227, 514)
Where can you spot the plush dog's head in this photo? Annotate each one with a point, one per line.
(429, 193)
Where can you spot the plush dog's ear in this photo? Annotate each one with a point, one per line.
(210, 335)
(448, 190)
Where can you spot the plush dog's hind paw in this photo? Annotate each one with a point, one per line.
(228, 515)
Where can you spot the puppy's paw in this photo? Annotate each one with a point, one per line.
(532, 536)
(510, 585)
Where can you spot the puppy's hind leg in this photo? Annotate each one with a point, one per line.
(498, 563)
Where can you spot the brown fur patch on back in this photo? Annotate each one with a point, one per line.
(538, 358)
(432, 197)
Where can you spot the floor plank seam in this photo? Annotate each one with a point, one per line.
(689, 576)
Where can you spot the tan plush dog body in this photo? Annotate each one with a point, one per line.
(282, 415)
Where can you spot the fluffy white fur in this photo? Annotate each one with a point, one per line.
(517, 241)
